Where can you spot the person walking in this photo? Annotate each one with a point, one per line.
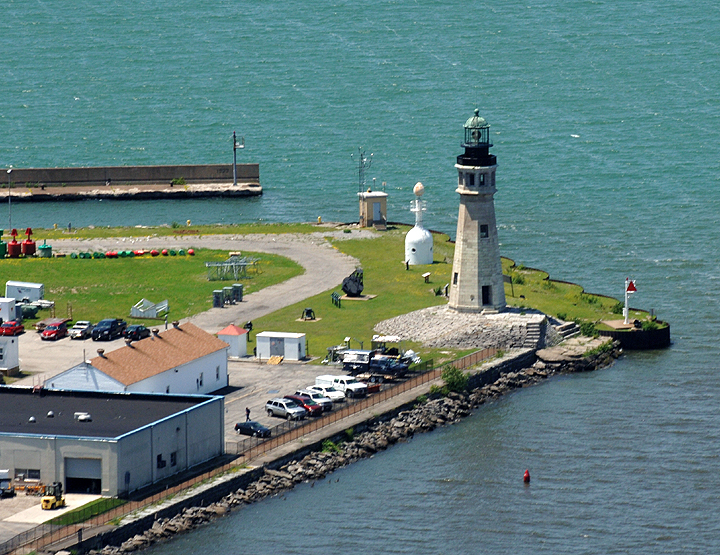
(247, 414)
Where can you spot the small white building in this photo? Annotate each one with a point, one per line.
(9, 355)
(236, 337)
(373, 209)
(182, 360)
(7, 309)
(290, 346)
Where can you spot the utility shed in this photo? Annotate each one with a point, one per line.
(236, 337)
(127, 441)
(183, 359)
(291, 346)
(9, 355)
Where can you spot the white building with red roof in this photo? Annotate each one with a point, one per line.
(236, 337)
(181, 360)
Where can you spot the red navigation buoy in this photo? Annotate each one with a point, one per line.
(526, 477)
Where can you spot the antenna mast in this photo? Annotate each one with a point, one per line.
(364, 163)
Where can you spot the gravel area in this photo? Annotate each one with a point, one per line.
(440, 327)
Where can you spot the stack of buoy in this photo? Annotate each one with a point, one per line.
(127, 254)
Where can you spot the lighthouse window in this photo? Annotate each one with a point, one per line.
(471, 180)
(481, 179)
(455, 278)
(483, 231)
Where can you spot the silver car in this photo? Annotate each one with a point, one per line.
(285, 408)
(81, 330)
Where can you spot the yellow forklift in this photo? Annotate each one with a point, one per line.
(53, 497)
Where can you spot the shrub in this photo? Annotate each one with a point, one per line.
(330, 447)
(650, 325)
(562, 316)
(455, 379)
(618, 308)
(549, 285)
(178, 181)
(517, 279)
(588, 329)
(436, 390)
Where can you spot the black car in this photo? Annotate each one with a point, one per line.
(110, 328)
(136, 332)
(252, 428)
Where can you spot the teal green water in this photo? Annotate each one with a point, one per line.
(605, 121)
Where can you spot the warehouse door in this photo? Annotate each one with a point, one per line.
(83, 475)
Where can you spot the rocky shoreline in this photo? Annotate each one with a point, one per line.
(425, 416)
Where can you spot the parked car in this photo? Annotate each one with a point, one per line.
(285, 408)
(54, 331)
(12, 327)
(136, 332)
(312, 408)
(110, 328)
(81, 330)
(335, 395)
(318, 398)
(252, 428)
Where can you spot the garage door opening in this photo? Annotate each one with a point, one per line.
(83, 485)
(83, 476)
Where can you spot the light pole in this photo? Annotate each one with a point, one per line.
(236, 145)
(9, 199)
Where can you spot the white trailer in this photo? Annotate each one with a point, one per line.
(20, 290)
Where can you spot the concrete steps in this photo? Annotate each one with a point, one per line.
(568, 329)
(533, 336)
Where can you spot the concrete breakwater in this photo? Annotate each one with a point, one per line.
(309, 464)
(129, 182)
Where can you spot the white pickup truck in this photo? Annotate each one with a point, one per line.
(347, 384)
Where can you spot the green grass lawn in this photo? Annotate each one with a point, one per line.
(566, 301)
(89, 289)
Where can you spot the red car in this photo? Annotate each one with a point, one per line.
(54, 331)
(312, 408)
(12, 327)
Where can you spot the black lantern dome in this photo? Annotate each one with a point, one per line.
(477, 143)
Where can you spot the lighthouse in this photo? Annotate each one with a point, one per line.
(477, 280)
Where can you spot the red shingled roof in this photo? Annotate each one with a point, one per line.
(157, 354)
(232, 329)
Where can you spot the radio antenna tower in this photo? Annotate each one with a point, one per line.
(364, 163)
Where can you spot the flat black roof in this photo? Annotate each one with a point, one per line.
(113, 414)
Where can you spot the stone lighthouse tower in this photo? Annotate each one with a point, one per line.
(477, 280)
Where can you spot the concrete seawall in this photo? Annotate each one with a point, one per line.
(129, 182)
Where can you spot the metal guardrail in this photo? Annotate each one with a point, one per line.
(472, 359)
(47, 534)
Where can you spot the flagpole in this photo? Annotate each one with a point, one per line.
(625, 310)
